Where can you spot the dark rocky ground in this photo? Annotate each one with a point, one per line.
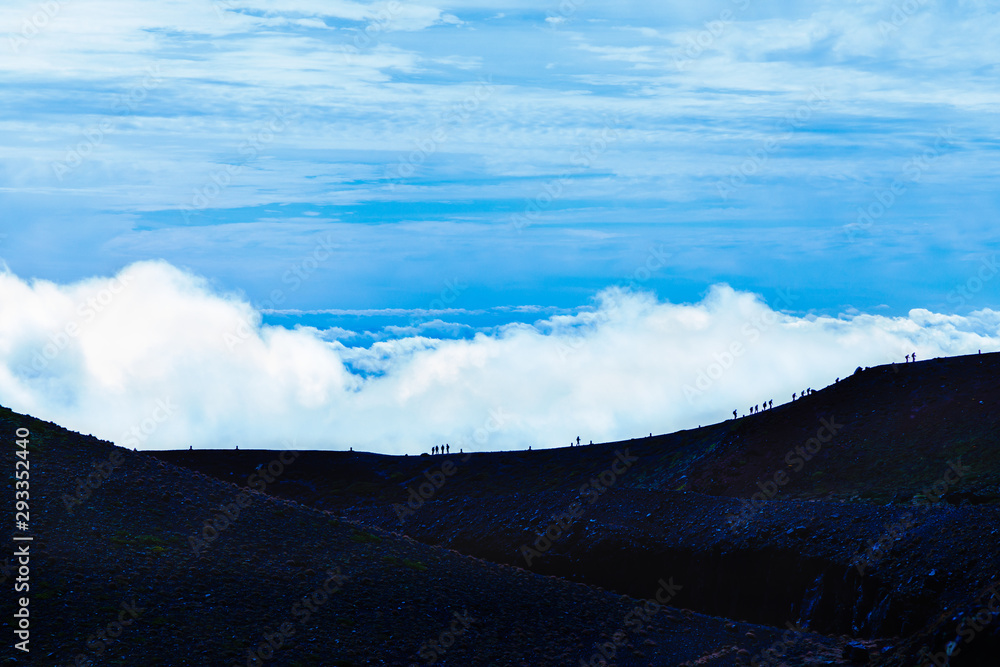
(878, 549)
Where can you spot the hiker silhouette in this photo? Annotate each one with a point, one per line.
(793, 395)
(447, 448)
(770, 404)
(734, 414)
(577, 441)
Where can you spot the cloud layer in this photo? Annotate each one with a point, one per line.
(157, 357)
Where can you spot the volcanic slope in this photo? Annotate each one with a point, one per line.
(126, 573)
(868, 508)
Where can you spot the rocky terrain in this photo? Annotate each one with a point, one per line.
(857, 525)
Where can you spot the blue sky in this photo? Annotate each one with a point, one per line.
(362, 159)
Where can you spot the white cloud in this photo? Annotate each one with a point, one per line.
(99, 356)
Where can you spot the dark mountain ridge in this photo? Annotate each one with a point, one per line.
(858, 525)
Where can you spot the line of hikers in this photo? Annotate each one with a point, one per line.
(767, 405)
(754, 409)
(446, 448)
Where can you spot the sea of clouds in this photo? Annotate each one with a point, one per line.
(155, 357)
